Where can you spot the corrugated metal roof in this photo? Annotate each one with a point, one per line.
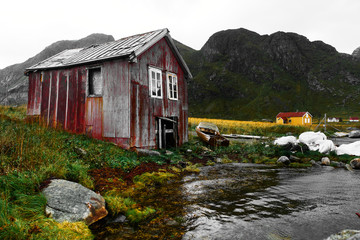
(123, 47)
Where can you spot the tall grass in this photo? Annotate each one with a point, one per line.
(30, 154)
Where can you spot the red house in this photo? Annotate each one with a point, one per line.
(132, 92)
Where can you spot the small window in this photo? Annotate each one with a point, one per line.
(95, 82)
(172, 84)
(155, 82)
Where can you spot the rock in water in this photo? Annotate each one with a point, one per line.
(355, 163)
(325, 161)
(345, 235)
(284, 160)
(69, 201)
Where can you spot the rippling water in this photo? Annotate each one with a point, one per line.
(248, 201)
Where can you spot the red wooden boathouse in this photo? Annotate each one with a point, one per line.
(132, 92)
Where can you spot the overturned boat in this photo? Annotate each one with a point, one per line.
(209, 133)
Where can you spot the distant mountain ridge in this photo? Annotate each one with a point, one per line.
(239, 74)
(13, 83)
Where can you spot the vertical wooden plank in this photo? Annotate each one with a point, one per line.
(81, 98)
(71, 112)
(45, 96)
(31, 94)
(38, 92)
(67, 100)
(62, 97)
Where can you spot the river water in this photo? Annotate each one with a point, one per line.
(251, 201)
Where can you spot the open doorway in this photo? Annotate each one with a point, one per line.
(166, 132)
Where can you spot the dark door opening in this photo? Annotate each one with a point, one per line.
(166, 132)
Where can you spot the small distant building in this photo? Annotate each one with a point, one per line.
(294, 118)
(333, 119)
(353, 119)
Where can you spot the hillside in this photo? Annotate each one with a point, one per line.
(239, 74)
(13, 83)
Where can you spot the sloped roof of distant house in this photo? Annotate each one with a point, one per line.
(353, 118)
(130, 47)
(285, 115)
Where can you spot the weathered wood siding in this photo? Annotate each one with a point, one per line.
(125, 113)
(62, 95)
(144, 109)
(34, 94)
(116, 97)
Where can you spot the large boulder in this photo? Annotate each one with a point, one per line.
(325, 146)
(310, 139)
(350, 149)
(354, 134)
(69, 201)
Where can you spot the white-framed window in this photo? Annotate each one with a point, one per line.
(95, 83)
(172, 86)
(155, 82)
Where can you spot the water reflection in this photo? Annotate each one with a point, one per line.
(246, 201)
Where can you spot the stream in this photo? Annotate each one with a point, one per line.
(250, 201)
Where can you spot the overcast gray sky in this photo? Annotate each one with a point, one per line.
(27, 27)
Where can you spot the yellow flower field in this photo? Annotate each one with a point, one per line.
(248, 127)
(267, 128)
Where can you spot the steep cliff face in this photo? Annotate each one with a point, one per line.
(244, 75)
(13, 83)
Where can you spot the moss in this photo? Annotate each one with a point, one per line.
(153, 178)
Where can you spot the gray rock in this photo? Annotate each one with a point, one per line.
(80, 151)
(294, 158)
(348, 167)
(284, 160)
(338, 164)
(70, 201)
(325, 161)
(146, 152)
(314, 163)
(355, 163)
(219, 160)
(345, 235)
(354, 134)
(168, 153)
(117, 219)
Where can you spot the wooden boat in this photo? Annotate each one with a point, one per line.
(209, 133)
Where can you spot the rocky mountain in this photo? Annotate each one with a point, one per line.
(356, 53)
(239, 74)
(13, 83)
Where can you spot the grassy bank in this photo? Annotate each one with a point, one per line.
(132, 185)
(31, 154)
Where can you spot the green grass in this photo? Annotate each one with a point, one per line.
(30, 154)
